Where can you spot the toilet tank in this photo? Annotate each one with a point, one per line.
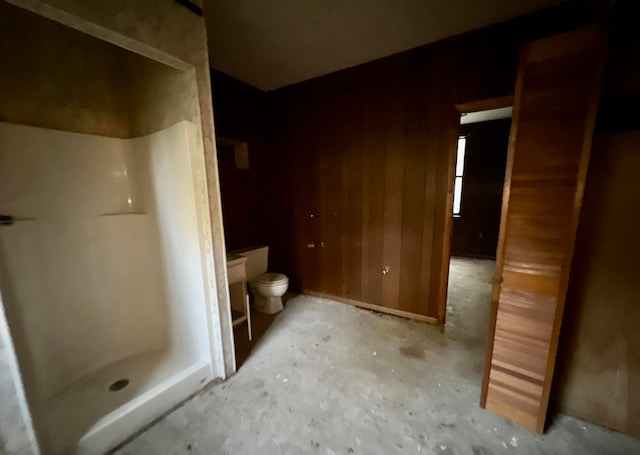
(257, 260)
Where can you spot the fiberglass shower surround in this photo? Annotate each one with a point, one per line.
(102, 278)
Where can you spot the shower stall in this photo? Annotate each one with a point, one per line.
(104, 256)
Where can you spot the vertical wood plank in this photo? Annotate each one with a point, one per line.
(413, 196)
(327, 279)
(432, 149)
(365, 258)
(305, 198)
(374, 117)
(379, 161)
(344, 121)
(332, 216)
(355, 199)
(394, 176)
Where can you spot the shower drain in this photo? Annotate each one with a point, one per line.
(118, 385)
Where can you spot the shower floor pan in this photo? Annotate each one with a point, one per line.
(102, 409)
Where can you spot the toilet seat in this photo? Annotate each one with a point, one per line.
(270, 278)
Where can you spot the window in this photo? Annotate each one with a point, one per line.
(457, 189)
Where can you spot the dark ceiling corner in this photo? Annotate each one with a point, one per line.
(219, 76)
(191, 6)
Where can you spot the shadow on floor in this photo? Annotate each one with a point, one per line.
(260, 324)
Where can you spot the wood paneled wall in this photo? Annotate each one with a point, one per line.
(368, 151)
(370, 179)
(599, 362)
(599, 357)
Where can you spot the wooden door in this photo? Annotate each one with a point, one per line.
(557, 91)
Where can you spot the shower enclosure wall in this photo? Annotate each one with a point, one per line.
(103, 257)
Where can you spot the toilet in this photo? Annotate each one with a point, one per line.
(267, 288)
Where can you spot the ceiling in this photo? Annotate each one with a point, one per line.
(273, 43)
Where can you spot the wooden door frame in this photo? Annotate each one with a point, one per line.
(463, 108)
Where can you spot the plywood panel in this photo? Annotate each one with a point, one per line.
(331, 196)
(374, 199)
(597, 372)
(382, 152)
(306, 197)
(555, 105)
(354, 207)
(394, 141)
(413, 199)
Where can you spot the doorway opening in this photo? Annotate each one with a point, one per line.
(247, 256)
(478, 183)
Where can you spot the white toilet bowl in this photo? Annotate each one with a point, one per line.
(268, 290)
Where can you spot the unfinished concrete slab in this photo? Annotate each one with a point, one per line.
(329, 378)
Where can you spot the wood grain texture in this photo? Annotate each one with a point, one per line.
(394, 140)
(381, 154)
(556, 101)
(373, 194)
(595, 374)
(400, 111)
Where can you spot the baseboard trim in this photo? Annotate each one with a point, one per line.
(371, 306)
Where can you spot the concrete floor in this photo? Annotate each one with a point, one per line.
(329, 378)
